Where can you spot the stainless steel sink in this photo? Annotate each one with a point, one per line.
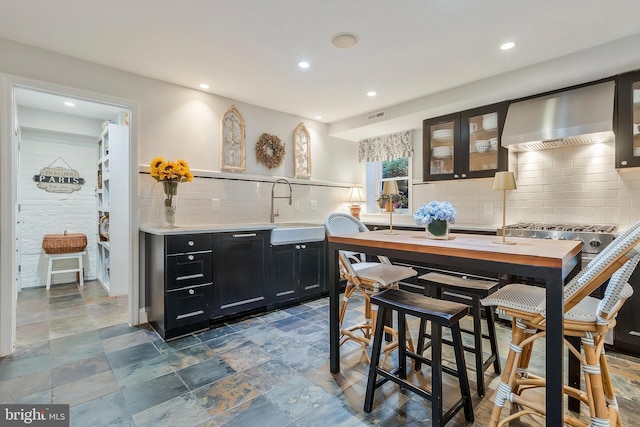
(291, 233)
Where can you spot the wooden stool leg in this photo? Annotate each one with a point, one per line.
(348, 291)
(490, 313)
(402, 346)
(436, 374)
(609, 393)
(81, 270)
(477, 345)
(593, 378)
(420, 348)
(49, 270)
(462, 372)
(375, 359)
(508, 375)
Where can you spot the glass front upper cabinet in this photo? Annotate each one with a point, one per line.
(483, 141)
(465, 144)
(442, 135)
(627, 120)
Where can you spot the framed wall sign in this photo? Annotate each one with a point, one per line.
(59, 179)
(302, 152)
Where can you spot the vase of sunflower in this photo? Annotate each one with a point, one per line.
(436, 216)
(170, 174)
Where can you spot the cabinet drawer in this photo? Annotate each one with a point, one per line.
(188, 306)
(189, 243)
(189, 270)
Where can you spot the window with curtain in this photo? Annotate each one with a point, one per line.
(388, 158)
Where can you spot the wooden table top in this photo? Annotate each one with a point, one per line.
(537, 252)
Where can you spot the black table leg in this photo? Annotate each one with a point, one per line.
(334, 307)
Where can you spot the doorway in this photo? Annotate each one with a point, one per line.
(38, 111)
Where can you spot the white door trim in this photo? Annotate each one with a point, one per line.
(8, 199)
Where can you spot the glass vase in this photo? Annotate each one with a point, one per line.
(170, 202)
(438, 229)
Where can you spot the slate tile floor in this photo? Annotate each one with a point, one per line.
(75, 347)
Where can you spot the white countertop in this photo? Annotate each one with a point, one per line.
(163, 230)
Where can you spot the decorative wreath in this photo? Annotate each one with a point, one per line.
(270, 150)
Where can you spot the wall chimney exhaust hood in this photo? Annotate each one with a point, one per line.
(578, 116)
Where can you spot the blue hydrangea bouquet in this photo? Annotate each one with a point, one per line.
(436, 216)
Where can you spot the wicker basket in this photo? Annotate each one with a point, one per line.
(64, 243)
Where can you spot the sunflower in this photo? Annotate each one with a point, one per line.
(156, 166)
(163, 170)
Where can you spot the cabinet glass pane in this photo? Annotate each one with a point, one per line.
(483, 142)
(442, 148)
(636, 119)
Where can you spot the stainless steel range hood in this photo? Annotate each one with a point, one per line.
(577, 116)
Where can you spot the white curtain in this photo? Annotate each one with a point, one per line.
(386, 147)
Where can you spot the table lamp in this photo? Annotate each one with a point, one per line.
(390, 189)
(355, 197)
(504, 181)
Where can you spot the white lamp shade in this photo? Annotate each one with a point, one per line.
(355, 195)
(390, 187)
(504, 181)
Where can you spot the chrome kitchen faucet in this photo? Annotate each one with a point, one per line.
(272, 216)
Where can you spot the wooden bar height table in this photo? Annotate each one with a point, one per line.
(549, 260)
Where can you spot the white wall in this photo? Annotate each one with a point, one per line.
(179, 122)
(53, 213)
(34, 118)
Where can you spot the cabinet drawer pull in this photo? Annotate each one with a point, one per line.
(184, 316)
(245, 235)
(190, 276)
(191, 257)
(191, 243)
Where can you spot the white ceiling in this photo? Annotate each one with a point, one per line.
(248, 50)
(51, 102)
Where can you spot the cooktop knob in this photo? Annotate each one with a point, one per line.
(562, 238)
(535, 236)
(579, 239)
(548, 237)
(594, 243)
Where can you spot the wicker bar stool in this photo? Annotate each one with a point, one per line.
(440, 314)
(585, 317)
(473, 290)
(367, 277)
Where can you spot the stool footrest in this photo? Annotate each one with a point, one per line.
(390, 376)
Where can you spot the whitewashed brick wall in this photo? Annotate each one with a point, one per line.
(52, 213)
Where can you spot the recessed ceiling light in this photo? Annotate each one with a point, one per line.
(507, 46)
(344, 40)
(69, 104)
(203, 86)
(303, 64)
(318, 117)
(372, 93)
